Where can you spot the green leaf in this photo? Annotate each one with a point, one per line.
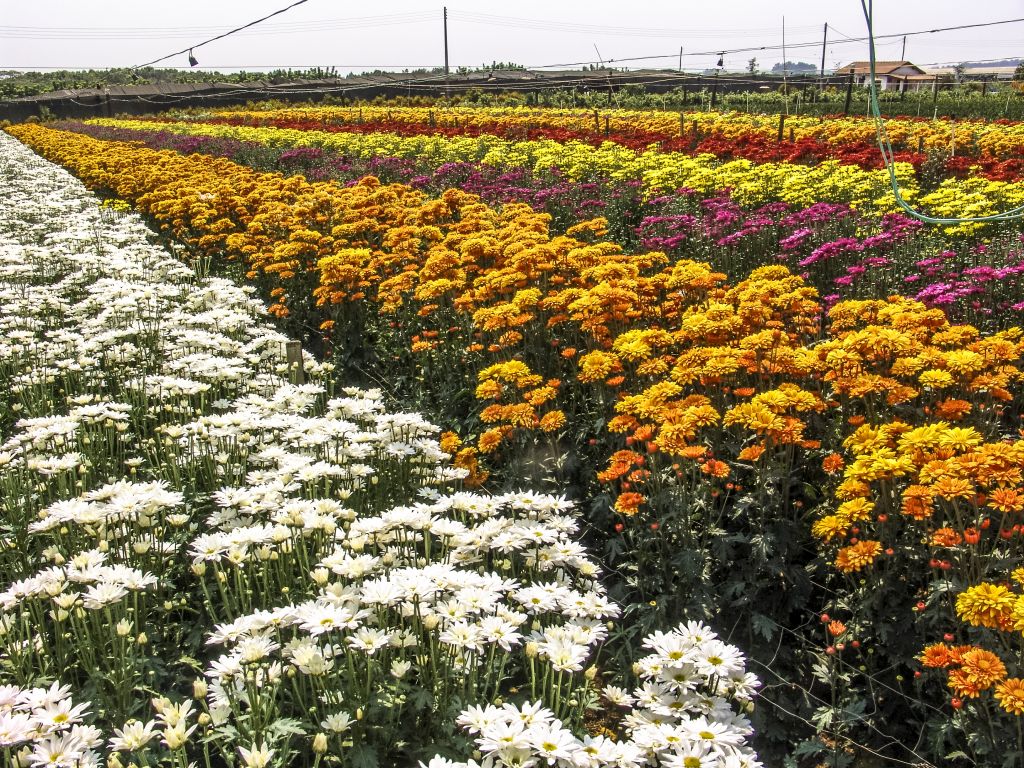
(362, 756)
(762, 625)
(287, 726)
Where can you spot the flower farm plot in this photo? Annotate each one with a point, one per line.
(208, 565)
(782, 410)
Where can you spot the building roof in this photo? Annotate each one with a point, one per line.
(881, 67)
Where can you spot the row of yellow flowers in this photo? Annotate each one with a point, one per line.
(749, 183)
(1000, 139)
(701, 389)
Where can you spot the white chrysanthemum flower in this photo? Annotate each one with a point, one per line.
(133, 736)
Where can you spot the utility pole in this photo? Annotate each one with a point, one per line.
(903, 53)
(824, 40)
(447, 91)
(680, 58)
(785, 83)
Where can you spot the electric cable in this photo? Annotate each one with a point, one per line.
(889, 155)
(222, 36)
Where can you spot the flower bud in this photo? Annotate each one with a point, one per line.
(199, 688)
(320, 743)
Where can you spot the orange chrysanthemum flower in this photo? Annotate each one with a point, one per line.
(982, 668)
(1006, 500)
(953, 488)
(751, 453)
(986, 605)
(833, 463)
(1010, 695)
(629, 502)
(946, 537)
(935, 656)
(857, 556)
(836, 628)
(716, 468)
(552, 420)
(962, 685)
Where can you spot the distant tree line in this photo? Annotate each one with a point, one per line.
(15, 84)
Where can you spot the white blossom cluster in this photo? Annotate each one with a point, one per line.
(43, 727)
(683, 715)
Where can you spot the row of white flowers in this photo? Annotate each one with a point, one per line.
(209, 564)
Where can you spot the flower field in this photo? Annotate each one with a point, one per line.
(698, 411)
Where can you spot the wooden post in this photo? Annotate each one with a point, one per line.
(935, 91)
(597, 122)
(782, 127)
(792, 134)
(607, 130)
(682, 124)
(849, 93)
(714, 91)
(293, 355)
(920, 145)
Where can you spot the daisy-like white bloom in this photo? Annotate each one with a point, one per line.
(503, 736)
(339, 722)
(257, 756)
(617, 696)
(134, 735)
(552, 743)
(103, 594)
(16, 728)
(59, 715)
(58, 751)
(318, 618)
(476, 719)
(251, 650)
(36, 698)
(463, 635)
(717, 658)
(368, 640)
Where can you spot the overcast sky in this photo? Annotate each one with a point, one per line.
(398, 34)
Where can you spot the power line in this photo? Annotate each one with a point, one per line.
(591, 29)
(162, 33)
(814, 44)
(221, 36)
